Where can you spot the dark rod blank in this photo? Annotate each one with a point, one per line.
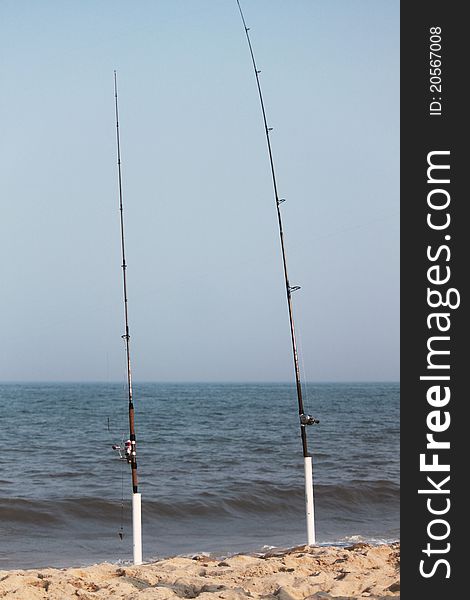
(289, 288)
(126, 336)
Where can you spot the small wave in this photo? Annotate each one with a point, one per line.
(27, 511)
(239, 501)
(356, 539)
(360, 492)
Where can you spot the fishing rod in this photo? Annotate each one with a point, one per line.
(305, 420)
(131, 452)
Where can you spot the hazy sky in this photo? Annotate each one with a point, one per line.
(206, 295)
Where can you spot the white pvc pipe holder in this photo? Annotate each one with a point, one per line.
(310, 511)
(137, 527)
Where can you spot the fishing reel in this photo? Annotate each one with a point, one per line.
(308, 420)
(122, 451)
(119, 450)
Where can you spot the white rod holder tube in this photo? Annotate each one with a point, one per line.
(309, 501)
(137, 527)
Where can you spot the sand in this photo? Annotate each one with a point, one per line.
(358, 571)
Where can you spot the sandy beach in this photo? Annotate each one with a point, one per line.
(357, 571)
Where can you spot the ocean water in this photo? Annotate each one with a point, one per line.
(220, 469)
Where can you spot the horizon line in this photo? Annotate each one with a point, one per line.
(191, 382)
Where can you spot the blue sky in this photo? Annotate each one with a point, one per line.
(206, 295)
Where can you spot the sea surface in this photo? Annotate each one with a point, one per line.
(220, 469)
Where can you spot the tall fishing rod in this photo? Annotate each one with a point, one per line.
(305, 419)
(132, 454)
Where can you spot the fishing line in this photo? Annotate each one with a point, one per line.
(302, 365)
(305, 377)
(120, 458)
(121, 530)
